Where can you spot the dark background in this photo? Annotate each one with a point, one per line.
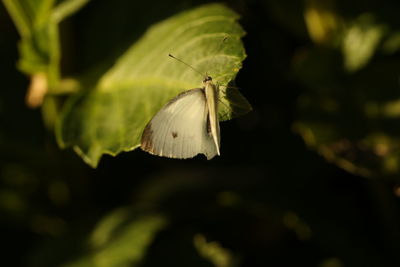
(269, 199)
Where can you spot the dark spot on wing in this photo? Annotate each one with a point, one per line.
(174, 134)
(147, 139)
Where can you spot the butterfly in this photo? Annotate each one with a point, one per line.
(187, 125)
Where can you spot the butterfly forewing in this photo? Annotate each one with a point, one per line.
(179, 129)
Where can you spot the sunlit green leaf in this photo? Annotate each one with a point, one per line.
(110, 117)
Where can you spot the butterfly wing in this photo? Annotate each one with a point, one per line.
(179, 129)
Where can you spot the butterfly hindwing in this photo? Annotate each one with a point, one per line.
(179, 129)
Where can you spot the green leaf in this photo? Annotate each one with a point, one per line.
(110, 117)
(120, 240)
(37, 23)
(39, 35)
(67, 8)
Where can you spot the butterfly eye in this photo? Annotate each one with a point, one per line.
(206, 79)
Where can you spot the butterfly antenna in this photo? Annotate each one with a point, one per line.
(186, 64)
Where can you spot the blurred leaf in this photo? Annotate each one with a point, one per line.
(39, 35)
(110, 117)
(351, 119)
(106, 228)
(29, 14)
(39, 48)
(214, 252)
(292, 221)
(323, 23)
(66, 8)
(119, 240)
(392, 43)
(360, 41)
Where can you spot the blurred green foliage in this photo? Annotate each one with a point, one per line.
(348, 110)
(323, 79)
(119, 241)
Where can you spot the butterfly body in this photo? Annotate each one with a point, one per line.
(212, 95)
(186, 126)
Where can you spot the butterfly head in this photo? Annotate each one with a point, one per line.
(207, 79)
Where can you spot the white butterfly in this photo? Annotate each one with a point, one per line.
(186, 126)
